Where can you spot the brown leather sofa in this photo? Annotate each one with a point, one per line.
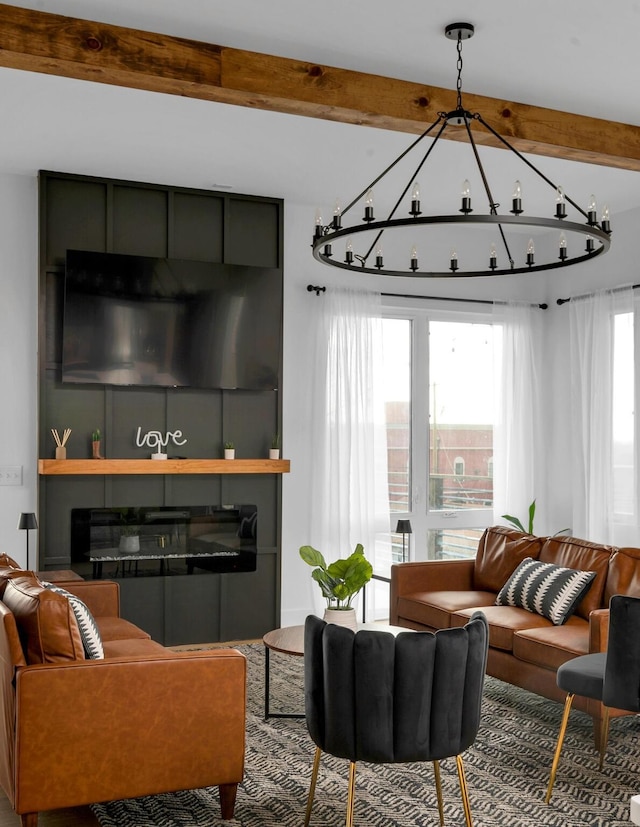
(140, 721)
(525, 649)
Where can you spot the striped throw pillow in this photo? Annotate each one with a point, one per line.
(545, 589)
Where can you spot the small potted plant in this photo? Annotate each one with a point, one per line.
(96, 438)
(339, 582)
(229, 450)
(274, 451)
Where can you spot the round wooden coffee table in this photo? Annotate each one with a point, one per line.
(287, 641)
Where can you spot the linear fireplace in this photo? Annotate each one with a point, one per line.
(163, 540)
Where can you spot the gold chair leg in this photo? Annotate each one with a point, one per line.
(352, 793)
(556, 757)
(312, 787)
(464, 792)
(436, 773)
(604, 736)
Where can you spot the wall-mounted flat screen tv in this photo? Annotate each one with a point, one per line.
(135, 320)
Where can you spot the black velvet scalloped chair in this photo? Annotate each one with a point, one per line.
(386, 697)
(612, 677)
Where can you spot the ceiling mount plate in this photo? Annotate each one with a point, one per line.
(459, 30)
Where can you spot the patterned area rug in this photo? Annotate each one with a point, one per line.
(507, 771)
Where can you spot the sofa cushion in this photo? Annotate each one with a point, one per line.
(545, 589)
(504, 622)
(117, 628)
(623, 576)
(551, 646)
(9, 569)
(89, 632)
(500, 551)
(580, 554)
(46, 623)
(135, 648)
(434, 609)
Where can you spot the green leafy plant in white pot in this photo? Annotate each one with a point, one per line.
(339, 582)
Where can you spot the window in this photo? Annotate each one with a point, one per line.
(438, 402)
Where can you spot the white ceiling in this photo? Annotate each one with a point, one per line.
(575, 56)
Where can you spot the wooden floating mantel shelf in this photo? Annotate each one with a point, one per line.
(48, 467)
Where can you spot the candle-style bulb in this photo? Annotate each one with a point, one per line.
(516, 200)
(605, 222)
(348, 252)
(453, 265)
(562, 247)
(368, 206)
(415, 200)
(493, 256)
(379, 257)
(591, 210)
(319, 229)
(466, 197)
(414, 258)
(591, 245)
(561, 210)
(336, 223)
(530, 253)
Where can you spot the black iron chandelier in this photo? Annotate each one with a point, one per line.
(385, 248)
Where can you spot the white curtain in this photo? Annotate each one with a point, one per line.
(592, 320)
(349, 485)
(517, 459)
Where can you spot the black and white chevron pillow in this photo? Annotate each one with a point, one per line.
(545, 589)
(91, 640)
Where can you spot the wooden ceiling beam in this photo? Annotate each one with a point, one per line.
(53, 44)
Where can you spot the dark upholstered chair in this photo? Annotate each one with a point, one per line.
(612, 677)
(388, 697)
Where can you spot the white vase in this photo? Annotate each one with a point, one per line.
(341, 617)
(130, 543)
(274, 453)
(229, 453)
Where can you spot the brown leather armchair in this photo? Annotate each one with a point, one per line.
(143, 720)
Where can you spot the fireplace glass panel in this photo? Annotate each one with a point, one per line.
(163, 541)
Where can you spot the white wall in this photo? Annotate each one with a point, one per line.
(18, 355)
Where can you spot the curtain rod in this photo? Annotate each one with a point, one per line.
(586, 295)
(311, 288)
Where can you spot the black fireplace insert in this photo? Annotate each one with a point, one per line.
(163, 541)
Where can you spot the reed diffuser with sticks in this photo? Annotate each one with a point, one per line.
(61, 442)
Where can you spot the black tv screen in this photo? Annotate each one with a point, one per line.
(135, 320)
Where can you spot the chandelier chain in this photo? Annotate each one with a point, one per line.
(459, 65)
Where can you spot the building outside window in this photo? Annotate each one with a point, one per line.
(439, 370)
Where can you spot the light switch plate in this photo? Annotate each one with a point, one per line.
(10, 474)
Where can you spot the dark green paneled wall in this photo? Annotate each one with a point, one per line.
(149, 220)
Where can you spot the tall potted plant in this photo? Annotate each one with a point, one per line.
(339, 582)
